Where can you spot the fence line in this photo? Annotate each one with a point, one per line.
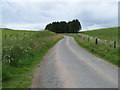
(97, 41)
(23, 35)
(15, 36)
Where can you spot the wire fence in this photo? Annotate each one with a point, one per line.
(16, 36)
(97, 41)
(93, 40)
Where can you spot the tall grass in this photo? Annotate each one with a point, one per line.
(22, 50)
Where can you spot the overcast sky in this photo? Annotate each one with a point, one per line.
(35, 14)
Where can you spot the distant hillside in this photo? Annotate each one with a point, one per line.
(6, 28)
(110, 34)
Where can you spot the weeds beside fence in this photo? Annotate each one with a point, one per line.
(105, 49)
(97, 41)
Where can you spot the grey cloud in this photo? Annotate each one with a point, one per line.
(90, 14)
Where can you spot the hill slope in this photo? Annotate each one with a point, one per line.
(110, 34)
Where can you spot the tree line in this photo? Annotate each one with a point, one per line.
(64, 27)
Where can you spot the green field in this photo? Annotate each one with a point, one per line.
(22, 51)
(110, 34)
(105, 47)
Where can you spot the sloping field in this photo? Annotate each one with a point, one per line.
(110, 34)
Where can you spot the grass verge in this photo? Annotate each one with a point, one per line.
(22, 51)
(109, 54)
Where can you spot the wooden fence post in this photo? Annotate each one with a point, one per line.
(17, 35)
(114, 44)
(5, 36)
(96, 41)
(88, 38)
(84, 37)
(24, 34)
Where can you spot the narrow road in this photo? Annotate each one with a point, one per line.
(67, 65)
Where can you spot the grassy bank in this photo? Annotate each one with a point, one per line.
(22, 51)
(103, 49)
(110, 34)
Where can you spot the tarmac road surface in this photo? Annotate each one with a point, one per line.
(67, 65)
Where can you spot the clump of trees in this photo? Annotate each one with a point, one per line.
(64, 27)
